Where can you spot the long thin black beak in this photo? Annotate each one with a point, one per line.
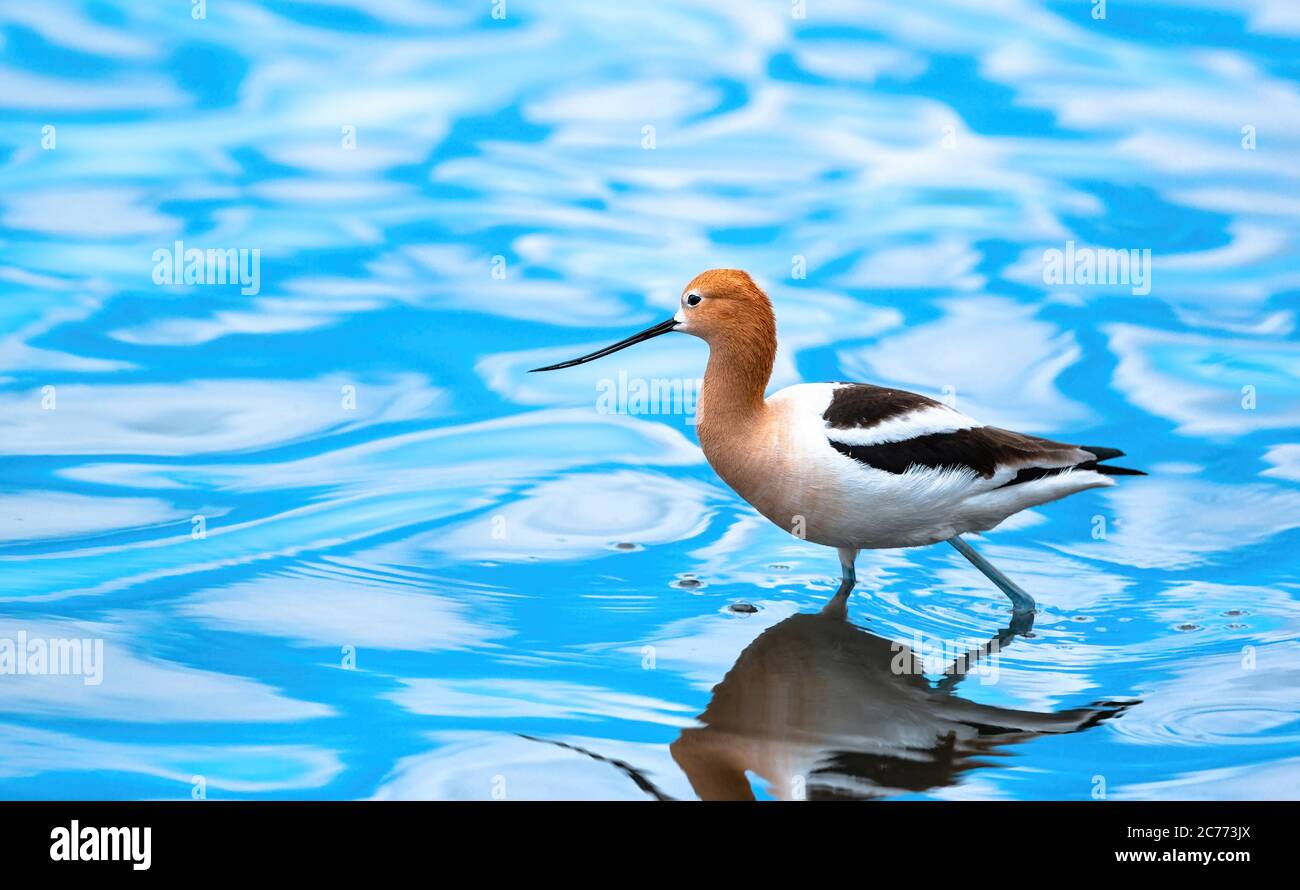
(661, 328)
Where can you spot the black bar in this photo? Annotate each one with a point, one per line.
(215, 838)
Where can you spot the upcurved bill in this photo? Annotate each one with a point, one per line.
(661, 328)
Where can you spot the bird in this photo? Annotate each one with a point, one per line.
(819, 708)
(856, 466)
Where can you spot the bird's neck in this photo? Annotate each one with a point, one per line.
(731, 399)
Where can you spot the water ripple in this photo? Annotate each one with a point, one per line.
(341, 500)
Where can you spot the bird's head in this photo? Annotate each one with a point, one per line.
(723, 304)
(718, 306)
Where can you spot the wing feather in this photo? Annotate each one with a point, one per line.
(898, 431)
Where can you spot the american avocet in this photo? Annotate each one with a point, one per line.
(851, 465)
(819, 708)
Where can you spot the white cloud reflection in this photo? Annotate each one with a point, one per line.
(1150, 528)
(202, 415)
(324, 606)
(227, 770)
(1000, 363)
(44, 515)
(492, 766)
(582, 515)
(139, 688)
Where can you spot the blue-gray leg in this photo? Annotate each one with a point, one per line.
(848, 574)
(1021, 602)
(838, 605)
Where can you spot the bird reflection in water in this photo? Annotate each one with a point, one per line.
(818, 708)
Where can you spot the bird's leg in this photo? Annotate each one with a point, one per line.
(838, 605)
(1021, 602)
(849, 575)
(962, 665)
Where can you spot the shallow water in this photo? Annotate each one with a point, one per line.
(419, 572)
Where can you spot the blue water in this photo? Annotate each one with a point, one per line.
(336, 543)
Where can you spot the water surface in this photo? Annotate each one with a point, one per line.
(335, 543)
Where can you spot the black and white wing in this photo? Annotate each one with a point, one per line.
(897, 432)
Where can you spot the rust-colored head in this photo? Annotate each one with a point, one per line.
(725, 306)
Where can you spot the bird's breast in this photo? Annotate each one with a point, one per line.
(781, 464)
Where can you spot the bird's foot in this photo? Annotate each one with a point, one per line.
(1022, 623)
(1021, 602)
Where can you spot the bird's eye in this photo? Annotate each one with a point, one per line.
(693, 300)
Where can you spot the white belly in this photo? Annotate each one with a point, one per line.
(819, 495)
(793, 476)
